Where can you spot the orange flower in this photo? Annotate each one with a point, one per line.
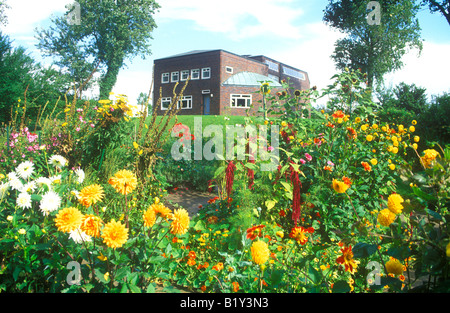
(191, 262)
(351, 133)
(235, 286)
(212, 219)
(338, 114)
(347, 181)
(218, 267)
(327, 168)
(91, 225)
(299, 234)
(213, 200)
(254, 232)
(330, 125)
(366, 166)
(347, 260)
(192, 255)
(203, 288)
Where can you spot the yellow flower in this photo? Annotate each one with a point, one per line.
(68, 219)
(64, 124)
(395, 150)
(283, 123)
(416, 138)
(260, 252)
(374, 161)
(161, 209)
(386, 217)
(149, 217)
(22, 231)
(393, 266)
(114, 234)
(395, 203)
(392, 167)
(364, 127)
(414, 122)
(339, 187)
(102, 258)
(106, 276)
(280, 233)
(369, 138)
(412, 129)
(400, 128)
(429, 156)
(135, 145)
(375, 126)
(91, 225)
(124, 181)
(180, 222)
(90, 195)
(358, 120)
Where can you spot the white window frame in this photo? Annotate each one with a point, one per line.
(272, 65)
(206, 73)
(165, 78)
(165, 100)
(197, 76)
(247, 97)
(174, 76)
(187, 100)
(229, 69)
(184, 75)
(293, 73)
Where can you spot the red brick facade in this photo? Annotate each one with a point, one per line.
(221, 65)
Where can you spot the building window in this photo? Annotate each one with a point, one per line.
(184, 75)
(293, 73)
(206, 73)
(195, 74)
(175, 76)
(165, 78)
(229, 69)
(272, 65)
(165, 103)
(186, 102)
(241, 101)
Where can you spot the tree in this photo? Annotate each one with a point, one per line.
(110, 32)
(3, 17)
(442, 7)
(375, 49)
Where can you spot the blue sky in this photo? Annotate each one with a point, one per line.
(290, 31)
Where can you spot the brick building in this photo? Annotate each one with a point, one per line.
(221, 83)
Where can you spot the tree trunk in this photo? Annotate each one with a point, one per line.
(108, 80)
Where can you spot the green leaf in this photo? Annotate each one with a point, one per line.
(341, 286)
(399, 253)
(270, 204)
(363, 250)
(434, 214)
(418, 192)
(151, 288)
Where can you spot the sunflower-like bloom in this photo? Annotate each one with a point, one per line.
(91, 225)
(299, 234)
(161, 210)
(386, 217)
(339, 187)
(149, 217)
(68, 219)
(115, 234)
(124, 181)
(393, 266)
(347, 260)
(90, 195)
(180, 222)
(429, 156)
(260, 252)
(395, 203)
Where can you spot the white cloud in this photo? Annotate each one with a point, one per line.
(25, 15)
(236, 18)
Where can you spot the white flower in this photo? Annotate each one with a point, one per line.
(41, 181)
(28, 187)
(75, 193)
(25, 169)
(50, 202)
(14, 181)
(55, 179)
(80, 175)
(79, 236)
(58, 161)
(24, 200)
(3, 189)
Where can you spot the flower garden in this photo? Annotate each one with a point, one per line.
(355, 204)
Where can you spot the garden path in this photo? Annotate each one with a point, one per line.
(191, 200)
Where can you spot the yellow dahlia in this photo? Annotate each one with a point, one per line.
(114, 234)
(149, 217)
(180, 222)
(260, 252)
(124, 181)
(339, 187)
(91, 225)
(395, 203)
(90, 195)
(386, 217)
(429, 156)
(161, 210)
(68, 219)
(393, 266)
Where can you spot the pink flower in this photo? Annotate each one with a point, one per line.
(270, 148)
(77, 129)
(308, 156)
(302, 161)
(92, 125)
